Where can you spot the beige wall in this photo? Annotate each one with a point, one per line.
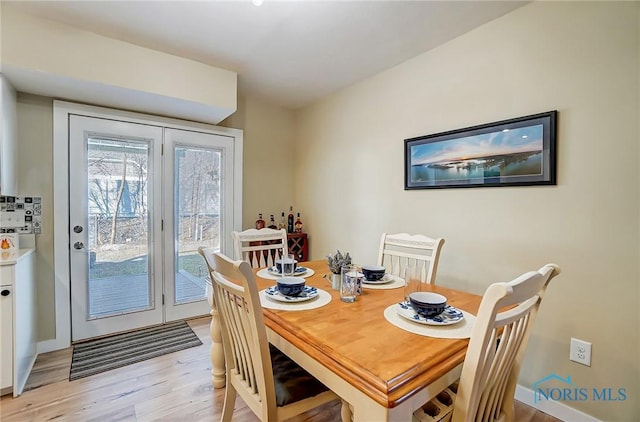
(580, 58)
(8, 137)
(0, 37)
(268, 162)
(35, 177)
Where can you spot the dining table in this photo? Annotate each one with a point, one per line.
(381, 372)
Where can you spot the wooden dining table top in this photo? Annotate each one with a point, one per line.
(356, 342)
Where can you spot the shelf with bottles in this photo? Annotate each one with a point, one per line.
(290, 223)
(297, 239)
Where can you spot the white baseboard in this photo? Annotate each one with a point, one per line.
(49, 346)
(551, 407)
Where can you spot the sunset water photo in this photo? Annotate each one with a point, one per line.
(510, 153)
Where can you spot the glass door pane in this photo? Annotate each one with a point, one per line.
(119, 245)
(197, 202)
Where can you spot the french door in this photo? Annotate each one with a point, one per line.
(142, 199)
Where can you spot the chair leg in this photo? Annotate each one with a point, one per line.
(346, 412)
(229, 403)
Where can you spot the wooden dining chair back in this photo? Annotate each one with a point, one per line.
(487, 385)
(498, 341)
(207, 255)
(398, 251)
(260, 248)
(272, 385)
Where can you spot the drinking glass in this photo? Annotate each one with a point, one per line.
(288, 264)
(413, 281)
(351, 283)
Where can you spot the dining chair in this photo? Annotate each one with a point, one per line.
(272, 385)
(260, 248)
(398, 251)
(487, 384)
(207, 255)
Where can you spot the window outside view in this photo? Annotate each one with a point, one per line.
(119, 244)
(197, 193)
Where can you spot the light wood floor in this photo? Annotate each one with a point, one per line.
(173, 387)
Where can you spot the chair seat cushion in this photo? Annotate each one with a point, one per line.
(292, 383)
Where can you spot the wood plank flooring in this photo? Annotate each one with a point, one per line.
(173, 387)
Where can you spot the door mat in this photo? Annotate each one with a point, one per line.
(96, 356)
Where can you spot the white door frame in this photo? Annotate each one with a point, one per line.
(61, 112)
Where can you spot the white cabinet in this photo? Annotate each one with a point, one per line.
(6, 338)
(8, 138)
(18, 333)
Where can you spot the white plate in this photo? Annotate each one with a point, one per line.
(387, 278)
(450, 315)
(298, 272)
(308, 294)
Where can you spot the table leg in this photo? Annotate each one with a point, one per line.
(218, 375)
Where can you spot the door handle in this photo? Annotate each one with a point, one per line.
(78, 245)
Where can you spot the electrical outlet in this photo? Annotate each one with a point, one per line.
(580, 351)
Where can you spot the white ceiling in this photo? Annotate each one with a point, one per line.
(289, 52)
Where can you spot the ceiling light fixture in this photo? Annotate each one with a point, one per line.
(257, 2)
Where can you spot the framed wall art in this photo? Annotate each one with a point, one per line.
(515, 152)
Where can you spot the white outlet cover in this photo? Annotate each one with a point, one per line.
(580, 351)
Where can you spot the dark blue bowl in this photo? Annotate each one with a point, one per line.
(427, 304)
(373, 272)
(290, 286)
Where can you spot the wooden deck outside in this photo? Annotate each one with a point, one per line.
(113, 295)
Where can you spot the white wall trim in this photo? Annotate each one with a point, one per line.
(551, 407)
(61, 112)
(61, 225)
(47, 346)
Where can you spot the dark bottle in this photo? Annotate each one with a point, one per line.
(297, 226)
(272, 223)
(290, 221)
(260, 222)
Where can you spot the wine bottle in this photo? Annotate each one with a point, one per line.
(260, 222)
(290, 221)
(272, 223)
(298, 225)
(283, 222)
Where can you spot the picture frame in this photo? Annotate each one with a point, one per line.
(514, 152)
